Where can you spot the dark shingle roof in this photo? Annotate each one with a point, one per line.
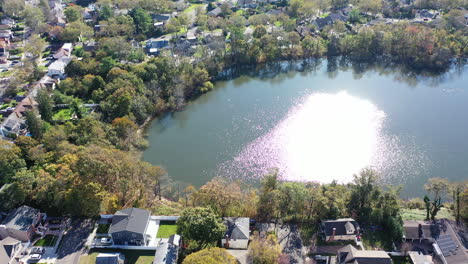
(237, 227)
(340, 225)
(21, 218)
(130, 219)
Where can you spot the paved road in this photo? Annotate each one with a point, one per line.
(73, 242)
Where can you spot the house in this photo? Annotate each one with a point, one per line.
(418, 258)
(153, 46)
(161, 17)
(22, 223)
(331, 19)
(351, 255)
(237, 232)
(57, 68)
(340, 229)
(64, 51)
(129, 227)
(9, 249)
(168, 252)
(8, 21)
(110, 258)
(215, 12)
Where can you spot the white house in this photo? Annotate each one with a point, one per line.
(110, 258)
(64, 51)
(237, 232)
(9, 249)
(57, 68)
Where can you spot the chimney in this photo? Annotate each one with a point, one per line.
(333, 234)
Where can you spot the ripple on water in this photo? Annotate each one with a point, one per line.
(325, 137)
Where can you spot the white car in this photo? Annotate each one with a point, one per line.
(35, 257)
(106, 240)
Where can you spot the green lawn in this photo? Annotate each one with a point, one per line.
(166, 229)
(131, 256)
(47, 241)
(420, 214)
(62, 115)
(191, 8)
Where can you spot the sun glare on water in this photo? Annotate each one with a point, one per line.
(325, 137)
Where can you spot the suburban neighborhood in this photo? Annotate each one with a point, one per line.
(82, 80)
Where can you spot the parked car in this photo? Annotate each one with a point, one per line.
(37, 250)
(106, 240)
(35, 258)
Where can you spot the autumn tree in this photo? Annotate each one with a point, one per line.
(264, 250)
(212, 255)
(10, 161)
(201, 226)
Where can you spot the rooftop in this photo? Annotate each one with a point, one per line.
(130, 219)
(21, 218)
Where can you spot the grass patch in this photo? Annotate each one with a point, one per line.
(191, 8)
(63, 115)
(401, 260)
(324, 15)
(131, 256)
(166, 229)
(12, 103)
(376, 240)
(420, 214)
(6, 74)
(103, 228)
(47, 241)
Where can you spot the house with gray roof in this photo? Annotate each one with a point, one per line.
(350, 255)
(129, 227)
(237, 232)
(22, 223)
(340, 229)
(167, 252)
(110, 258)
(9, 249)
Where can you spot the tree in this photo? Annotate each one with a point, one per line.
(259, 32)
(45, 105)
(437, 188)
(12, 7)
(224, 197)
(35, 126)
(10, 161)
(210, 256)
(73, 13)
(264, 250)
(200, 225)
(268, 197)
(33, 17)
(105, 12)
(456, 189)
(75, 30)
(142, 20)
(364, 193)
(35, 45)
(427, 204)
(371, 6)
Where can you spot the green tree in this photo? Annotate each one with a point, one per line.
(75, 31)
(12, 7)
(45, 105)
(268, 197)
(105, 12)
(200, 225)
(33, 18)
(142, 20)
(35, 125)
(212, 255)
(10, 161)
(364, 192)
(73, 13)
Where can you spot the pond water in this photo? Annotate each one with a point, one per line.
(320, 122)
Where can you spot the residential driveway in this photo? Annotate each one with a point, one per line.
(291, 243)
(240, 255)
(73, 242)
